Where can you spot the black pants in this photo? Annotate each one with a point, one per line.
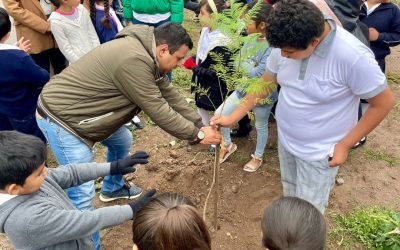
(24, 124)
(382, 64)
(192, 5)
(53, 56)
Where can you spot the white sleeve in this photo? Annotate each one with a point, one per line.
(365, 78)
(272, 62)
(90, 29)
(63, 42)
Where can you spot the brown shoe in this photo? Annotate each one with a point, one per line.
(225, 152)
(254, 164)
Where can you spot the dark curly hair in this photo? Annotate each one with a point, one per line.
(294, 24)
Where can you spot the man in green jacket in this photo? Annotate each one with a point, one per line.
(153, 12)
(92, 99)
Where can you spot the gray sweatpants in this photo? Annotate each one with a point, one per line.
(308, 180)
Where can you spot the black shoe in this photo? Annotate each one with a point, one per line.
(237, 132)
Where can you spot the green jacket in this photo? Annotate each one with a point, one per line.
(104, 89)
(154, 7)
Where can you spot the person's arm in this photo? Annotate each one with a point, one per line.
(392, 37)
(258, 69)
(179, 104)
(76, 174)
(30, 73)
(379, 108)
(63, 42)
(138, 83)
(25, 17)
(247, 104)
(176, 11)
(90, 28)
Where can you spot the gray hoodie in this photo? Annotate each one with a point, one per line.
(47, 219)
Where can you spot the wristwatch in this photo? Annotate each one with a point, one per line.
(201, 135)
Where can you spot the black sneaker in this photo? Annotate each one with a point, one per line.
(360, 143)
(126, 192)
(237, 132)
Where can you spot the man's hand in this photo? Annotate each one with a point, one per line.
(222, 121)
(126, 165)
(211, 136)
(137, 205)
(373, 34)
(340, 154)
(23, 45)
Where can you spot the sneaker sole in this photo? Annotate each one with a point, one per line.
(103, 199)
(228, 154)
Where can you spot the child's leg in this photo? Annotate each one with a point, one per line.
(204, 114)
(231, 103)
(288, 169)
(261, 114)
(315, 179)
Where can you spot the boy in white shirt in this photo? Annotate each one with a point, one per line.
(323, 72)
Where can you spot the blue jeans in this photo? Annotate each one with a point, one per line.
(261, 113)
(69, 149)
(25, 124)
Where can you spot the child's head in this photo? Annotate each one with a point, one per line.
(66, 3)
(208, 7)
(293, 223)
(105, 21)
(22, 157)
(170, 222)
(5, 25)
(259, 23)
(296, 27)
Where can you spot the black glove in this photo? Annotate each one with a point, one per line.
(137, 205)
(126, 165)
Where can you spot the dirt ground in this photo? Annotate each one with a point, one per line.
(243, 196)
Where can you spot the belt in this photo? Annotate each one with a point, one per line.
(40, 114)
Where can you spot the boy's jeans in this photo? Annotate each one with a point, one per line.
(308, 180)
(69, 149)
(261, 113)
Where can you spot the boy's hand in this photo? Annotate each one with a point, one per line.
(373, 34)
(23, 45)
(137, 205)
(339, 155)
(126, 165)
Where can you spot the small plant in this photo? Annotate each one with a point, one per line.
(379, 155)
(374, 227)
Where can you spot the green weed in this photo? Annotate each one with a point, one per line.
(374, 227)
(379, 155)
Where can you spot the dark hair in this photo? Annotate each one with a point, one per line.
(5, 23)
(294, 24)
(56, 3)
(105, 21)
(293, 223)
(174, 35)
(220, 4)
(20, 156)
(170, 222)
(262, 14)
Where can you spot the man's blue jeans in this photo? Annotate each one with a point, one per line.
(261, 113)
(69, 149)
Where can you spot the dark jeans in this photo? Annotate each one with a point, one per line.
(53, 56)
(26, 125)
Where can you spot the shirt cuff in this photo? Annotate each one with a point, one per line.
(374, 92)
